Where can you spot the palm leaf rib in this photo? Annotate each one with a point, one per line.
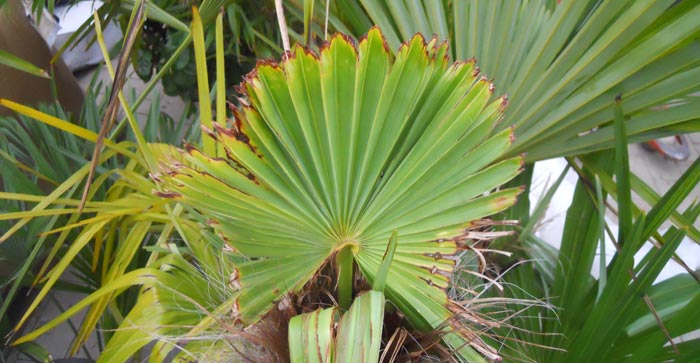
(336, 150)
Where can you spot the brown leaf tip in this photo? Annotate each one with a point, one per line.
(208, 131)
(492, 86)
(375, 30)
(231, 106)
(244, 102)
(156, 177)
(166, 194)
(248, 79)
(191, 148)
(300, 49)
(236, 312)
(234, 279)
(417, 38)
(504, 101)
(221, 130)
(335, 38)
(286, 55)
(476, 71)
(427, 281)
(266, 62)
(436, 255)
(346, 38)
(434, 270)
(433, 41)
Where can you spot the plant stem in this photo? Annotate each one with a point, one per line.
(282, 24)
(344, 262)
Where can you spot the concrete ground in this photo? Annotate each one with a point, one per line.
(656, 171)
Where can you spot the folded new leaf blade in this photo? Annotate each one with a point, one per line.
(311, 336)
(360, 330)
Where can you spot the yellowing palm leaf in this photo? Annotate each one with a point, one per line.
(332, 152)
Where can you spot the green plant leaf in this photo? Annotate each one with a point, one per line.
(329, 152)
(561, 65)
(308, 14)
(158, 14)
(59, 123)
(311, 336)
(622, 173)
(35, 351)
(360, 329)
(205, 115)
(132, 278)
(20, 64)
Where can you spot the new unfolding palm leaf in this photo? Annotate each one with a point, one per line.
(329, 153)
(318, 337)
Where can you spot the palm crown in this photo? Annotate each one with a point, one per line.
(330, 153)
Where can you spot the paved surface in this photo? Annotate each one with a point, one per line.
(658, 172)
(59, 340)
(661, 173)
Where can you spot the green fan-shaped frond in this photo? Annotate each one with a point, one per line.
(563, 63)
(334, 151)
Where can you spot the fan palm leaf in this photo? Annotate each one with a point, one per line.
(562, 64)
(331, 152)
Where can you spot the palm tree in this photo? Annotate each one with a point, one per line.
(563, 63)
(330, 153)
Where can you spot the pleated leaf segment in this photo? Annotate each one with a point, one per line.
(331, 152)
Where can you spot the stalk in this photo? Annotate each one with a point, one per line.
(344, 262)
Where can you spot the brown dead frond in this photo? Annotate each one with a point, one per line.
(482, 312)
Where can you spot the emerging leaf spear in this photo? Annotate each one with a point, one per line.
(113, 105)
